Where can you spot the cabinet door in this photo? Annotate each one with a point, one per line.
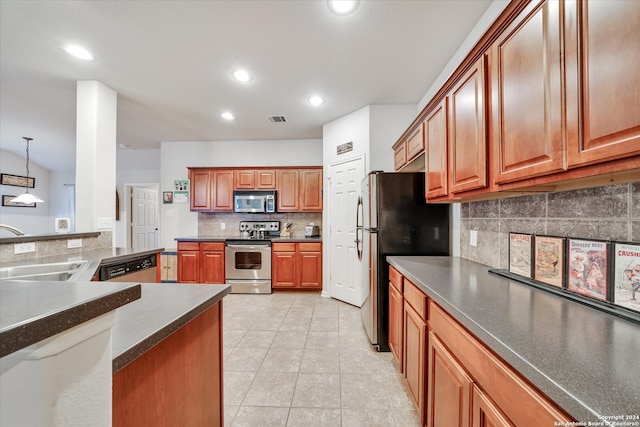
(309, 265)
(415, 358)
(188, 266)
(485, 413)
(467, 138)
(399, 156)
(396, 324)
(245, 179)
(415, 142)
(169, 264)
(212, 267)
(449, 388)
(265, 179)
(436, 143)
(283, 270)
(527, 109)
(223, 191)
(288, 186)
(311, 190)
(602, 80)
(200, 183)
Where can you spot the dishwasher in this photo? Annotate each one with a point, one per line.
(142, 269)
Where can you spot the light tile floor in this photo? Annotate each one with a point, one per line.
(295, 359)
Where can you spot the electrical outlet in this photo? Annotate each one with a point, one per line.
(105, 222)
(74, 243)
(223, 226)
(23, 248)
(473, 238)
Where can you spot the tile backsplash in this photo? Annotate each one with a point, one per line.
(209, 224)
(58, 246)
(609, 212)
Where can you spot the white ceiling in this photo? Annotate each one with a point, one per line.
(171, 63)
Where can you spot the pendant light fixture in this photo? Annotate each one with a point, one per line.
(27, 198)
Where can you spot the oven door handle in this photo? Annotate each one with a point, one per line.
(249, 246)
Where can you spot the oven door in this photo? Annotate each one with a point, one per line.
(246, 260)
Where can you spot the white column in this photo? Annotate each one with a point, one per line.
(95, 157)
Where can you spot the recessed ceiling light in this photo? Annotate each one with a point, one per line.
(242, 76)
(78, 52)
(316, 100)
(227, 115)
(342, 7)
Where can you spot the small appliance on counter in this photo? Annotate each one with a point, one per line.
(287, 229)
(311, 230)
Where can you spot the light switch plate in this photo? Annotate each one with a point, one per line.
(105, 222)
(23, 248)
(473, 238)
(223, 226)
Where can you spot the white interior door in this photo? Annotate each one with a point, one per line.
(345, 272)
(144, 218)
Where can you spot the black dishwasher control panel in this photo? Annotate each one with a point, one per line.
(122, 268)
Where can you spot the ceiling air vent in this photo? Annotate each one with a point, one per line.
(276, 119)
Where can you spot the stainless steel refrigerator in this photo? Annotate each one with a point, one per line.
(393, 218)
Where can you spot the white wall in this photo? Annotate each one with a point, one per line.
(30, 220)
(134, 167)
(353, 127)
(386, 124)
(175, 157)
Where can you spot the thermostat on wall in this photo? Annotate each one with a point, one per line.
(63, 225)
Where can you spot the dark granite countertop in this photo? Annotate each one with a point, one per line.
(162, 310)
(212, 238)
(584, 359)
(33, 311)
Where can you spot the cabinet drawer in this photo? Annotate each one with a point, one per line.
(396, 279)
(309, 247)
(284, 247)
(416, 298)
(212, 246)
(188, 246)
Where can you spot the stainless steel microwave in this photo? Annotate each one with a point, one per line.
(254, 201)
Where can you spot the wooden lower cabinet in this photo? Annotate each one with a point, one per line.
(396, 317)
(506, 398)
(178, 382)
(296, 266)
(449, 388)
(201, 262)
(415, 357)
(485, 413)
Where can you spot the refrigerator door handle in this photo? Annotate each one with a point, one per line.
(358, 240)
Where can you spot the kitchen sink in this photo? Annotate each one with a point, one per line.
(59, 271)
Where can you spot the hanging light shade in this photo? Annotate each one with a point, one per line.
(27, 198)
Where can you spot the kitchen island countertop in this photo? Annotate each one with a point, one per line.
(584, 359)
(162, 310)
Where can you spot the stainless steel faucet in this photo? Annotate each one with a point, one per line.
(12, 229)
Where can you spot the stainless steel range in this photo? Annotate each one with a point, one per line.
(248, 258)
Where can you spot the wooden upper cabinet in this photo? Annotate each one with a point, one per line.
(200, 185)
(436, 142)
(527, 109)
(255, 179)
(265, 179)
(288, 187)
(311, 190)
(602, 80)
(399, 155)
(467, 137)
(222, 198)
(415, 142)
(245, 179)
